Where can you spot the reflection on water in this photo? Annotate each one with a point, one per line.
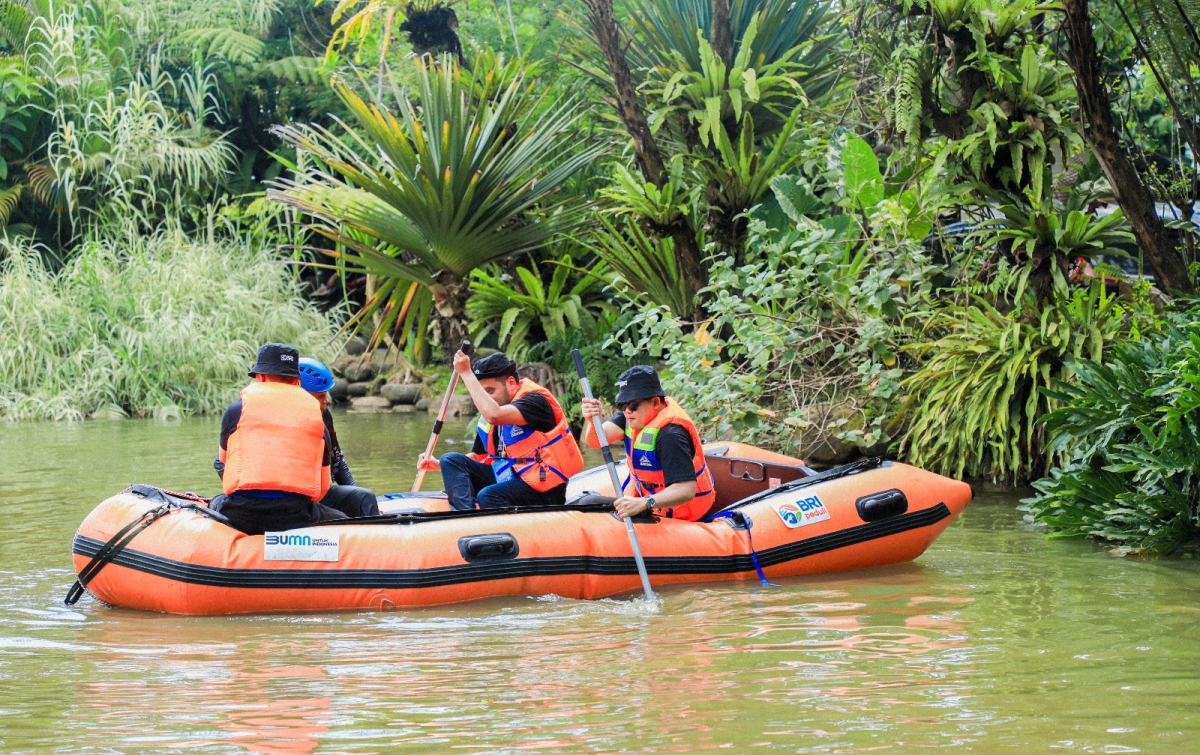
(994, 639)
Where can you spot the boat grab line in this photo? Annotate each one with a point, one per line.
(514, 569)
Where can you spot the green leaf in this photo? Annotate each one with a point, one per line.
(864, 181)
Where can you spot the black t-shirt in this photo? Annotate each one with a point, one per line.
(674, 449)
(537, 413)
(229, 423)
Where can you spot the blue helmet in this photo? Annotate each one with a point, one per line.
(315, 377)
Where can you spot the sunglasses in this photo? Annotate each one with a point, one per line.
(630, 406)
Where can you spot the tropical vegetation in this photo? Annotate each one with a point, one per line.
(1126, 431)
(960, 232)
(157, 325)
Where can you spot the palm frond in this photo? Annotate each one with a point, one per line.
(457, 183)
(9, 197)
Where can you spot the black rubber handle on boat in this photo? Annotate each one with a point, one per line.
(111, 550)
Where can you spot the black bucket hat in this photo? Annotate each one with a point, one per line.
(277, 359)
(496, 365)
(637, 383)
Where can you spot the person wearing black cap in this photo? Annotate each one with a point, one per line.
(274, 457)
(524, 450)
(667, 471)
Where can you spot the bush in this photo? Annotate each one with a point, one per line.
(1128, 435)
(972, 406)
(160, 325)
(810, 322)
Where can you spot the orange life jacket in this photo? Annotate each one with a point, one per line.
(646, 471)
(279, 443)
(542, 460)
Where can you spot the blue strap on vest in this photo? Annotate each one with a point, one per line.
(739, 518)
(534, 461)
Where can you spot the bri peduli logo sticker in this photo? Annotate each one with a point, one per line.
(301, 545)
(804, 511)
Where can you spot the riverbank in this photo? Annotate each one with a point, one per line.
(161, 324)
(994, 638)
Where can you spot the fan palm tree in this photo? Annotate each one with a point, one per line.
(422, 199)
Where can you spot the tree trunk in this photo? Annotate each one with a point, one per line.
(608, 37)
(1131, 193)
(721, 35)
(449, 312)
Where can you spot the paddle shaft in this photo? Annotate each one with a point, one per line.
(466, 348)
(598, 425)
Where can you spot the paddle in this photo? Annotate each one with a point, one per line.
(612, 473)
(466, 348)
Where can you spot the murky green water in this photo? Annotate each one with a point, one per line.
(994, 640)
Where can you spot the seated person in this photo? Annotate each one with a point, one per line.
(524, 450)
(662, 449)
(343, 495)
(274, 458)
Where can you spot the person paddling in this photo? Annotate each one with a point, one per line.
(524, 451)
(343, 495)
(662, 447)
(274, 457)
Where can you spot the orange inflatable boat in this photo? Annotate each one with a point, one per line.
(159, 551)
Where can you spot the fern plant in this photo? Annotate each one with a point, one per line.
(1046, 236)
(647, 266)
(716, 96)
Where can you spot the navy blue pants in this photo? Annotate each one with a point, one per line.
(468, 481)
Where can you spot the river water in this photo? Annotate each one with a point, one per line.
(994, 640)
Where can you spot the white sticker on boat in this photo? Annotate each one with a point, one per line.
(804, 511)
(301, 545)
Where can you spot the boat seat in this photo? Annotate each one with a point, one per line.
(736, 479)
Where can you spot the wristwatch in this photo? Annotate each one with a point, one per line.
(650, 503)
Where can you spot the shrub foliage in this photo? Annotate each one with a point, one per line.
(1128, 432)
(161, 325)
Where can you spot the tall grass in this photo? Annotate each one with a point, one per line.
(158, 325)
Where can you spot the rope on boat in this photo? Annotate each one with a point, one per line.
(112, 548)
(119, 541)
(416, 517)
(740, 520)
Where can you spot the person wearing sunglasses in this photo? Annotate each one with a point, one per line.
(667, 472)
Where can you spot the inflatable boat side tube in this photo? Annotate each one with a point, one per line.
(501, 567)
